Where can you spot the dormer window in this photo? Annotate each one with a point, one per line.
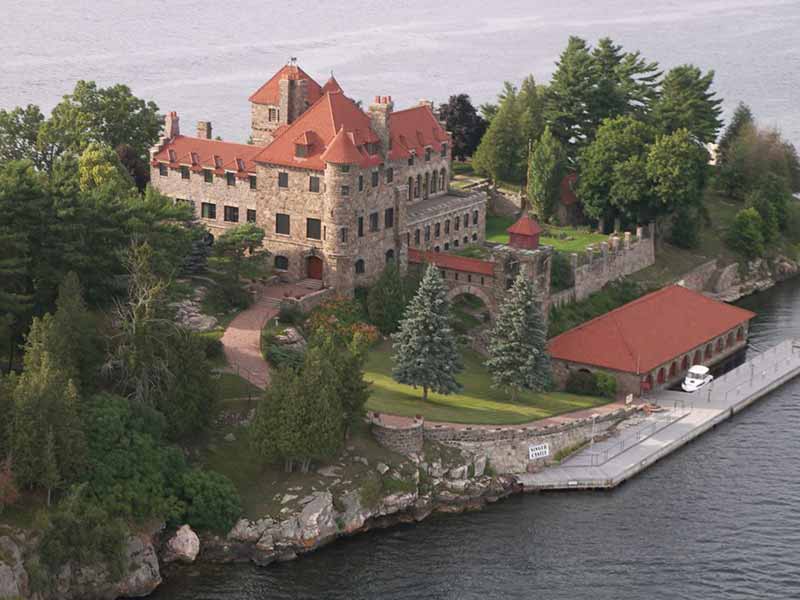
(172, 156)
(411, 160)
(300, 150)
(195, 158)
(240, 164)
(444, 150)
(372, 148)
(217, 161)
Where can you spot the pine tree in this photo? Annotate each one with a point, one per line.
(352, 390)
(742, 118)
(546, 169)
(499, 154)
(518, 347)
(50, 478)
(687, 102)
(387, 300)
(426, 351)
(271, 433)
(531, 120)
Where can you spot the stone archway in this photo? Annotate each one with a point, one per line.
(488, 300)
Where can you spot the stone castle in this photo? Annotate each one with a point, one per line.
(339, 192)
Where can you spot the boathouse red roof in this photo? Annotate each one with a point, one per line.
(453, 262)
(648, 332)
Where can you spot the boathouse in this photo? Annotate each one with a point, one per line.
(651, 342)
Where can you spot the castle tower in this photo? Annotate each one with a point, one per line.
(380, 111)
(280, 101)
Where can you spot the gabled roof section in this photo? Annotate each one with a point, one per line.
(330, 115)
(269, 93)
(202, 153)
(342, 150)
(526, 225)
(651, 331)
(331, 85)
(414, 129)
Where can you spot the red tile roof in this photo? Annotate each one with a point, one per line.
(208, 154)
(413, 129)
(526, 225)
(269, 93)
(568, 196)
(342, 150)
(651, 331)
(321, 122)
(452, 262)
(331, 85)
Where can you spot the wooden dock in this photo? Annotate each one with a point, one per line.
(632, 449)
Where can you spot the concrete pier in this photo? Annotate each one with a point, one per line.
(685, 416)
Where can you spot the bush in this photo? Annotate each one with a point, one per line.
(561, 276)
(213, 348)
(606, 384)
(212, 502)
(685, 230)
(280, 357)
(290, 314)
(745, 235)
(225, 296)
(582, 383)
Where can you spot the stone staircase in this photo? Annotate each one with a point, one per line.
(310, 284)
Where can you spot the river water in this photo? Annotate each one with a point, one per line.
(718, 520)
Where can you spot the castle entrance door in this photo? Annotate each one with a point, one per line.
(314, 267)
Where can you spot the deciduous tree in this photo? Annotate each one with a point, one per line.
(499, 154)
(546, 169)
(463, 121)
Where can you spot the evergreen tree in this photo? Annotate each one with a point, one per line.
(745, 235)
(387, 299)
(272, 437)
(19, 133)
(687, 102)
(518, 357)
(742, 118)
(759, 200)
(463, 121)
(426, 351)
(50, 478)
(546, 169)
(531, 119)
(348, 366)
(499, 154)
(569, 96)
(235, 243)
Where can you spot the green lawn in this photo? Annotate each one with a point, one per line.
(478, 403)
(576, 239)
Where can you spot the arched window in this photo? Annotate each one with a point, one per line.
(466, 239)
(434, 182)
(739, 334)
(281, 262)
(661, 375)
(418, 186)
(698, 358)
(443, 180)
(709, 351)
(719, 345)
(389, 256)
(360, 266)
(730, 340)
(410, 188)
(673, 369)
(426, 185)
(647, 383)
(685, 363)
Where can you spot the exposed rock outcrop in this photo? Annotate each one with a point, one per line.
(732, 282)
(183, 546)
(13, 576)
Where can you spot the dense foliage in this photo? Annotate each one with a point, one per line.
(463, 121)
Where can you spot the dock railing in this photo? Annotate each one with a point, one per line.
(757, 371)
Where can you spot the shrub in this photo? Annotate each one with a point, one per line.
(561, 276)
(684, 232)
(745, 235)
(212, 501)
(280, 357)
(225, 296)
(290, 314)
(582, 383)
(606, 384)
(212, 348)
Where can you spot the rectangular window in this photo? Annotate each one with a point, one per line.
(314, 229)
(360, 183)
(162, 170)
(427, 233)
(447, 227)
(345, 190)
(344, 168)
(343, 235)
(444, 150)
(208, 210)
(389, 175)
(282, 224)
(360, 226)
(184, 172)
(474, 217)
(411, 161)
(427, 154)
(373, 221)
(313, 183)
(458, 223)
(272, 114)
(437, 230)
(253, 182)
(375, 178)
(230, 178)
(416, 237)
(283, 180)
(208, 176)
(251, 215)
(231, 214)
(388, 218)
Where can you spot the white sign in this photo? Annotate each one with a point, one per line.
(540, 451)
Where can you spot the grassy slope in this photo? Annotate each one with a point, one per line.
(478, 403)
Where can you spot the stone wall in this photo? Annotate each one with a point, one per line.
(453, 213)
(310, 301)
(401, 439)
(700, 277)
(507, 447)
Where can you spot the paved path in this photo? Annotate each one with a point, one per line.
(687, 416)
(242, 339)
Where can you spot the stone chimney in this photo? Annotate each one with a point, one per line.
(204, 130)
(380, 111)
(172, 125)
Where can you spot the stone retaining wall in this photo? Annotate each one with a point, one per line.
(699, 278)
(403, 440)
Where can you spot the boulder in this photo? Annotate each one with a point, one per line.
(183, 547)
(13, 577)
(458, 472)
(143, 575)
(382, 468)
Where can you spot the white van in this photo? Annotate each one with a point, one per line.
(697, 377)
